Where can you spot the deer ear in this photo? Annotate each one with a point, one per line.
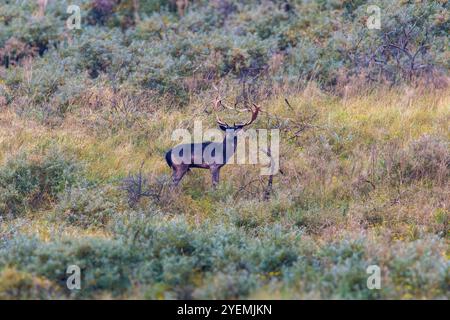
(222, 127)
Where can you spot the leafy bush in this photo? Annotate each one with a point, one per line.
(230, 285)
(408, 45)
(87, 206)
(14, 51)
(16, 285)
(105, 265)
(413, 269)
(178, 51)
(31, 182)
(178, 253)
(170, 259)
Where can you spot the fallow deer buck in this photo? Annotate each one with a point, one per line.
(181, 163)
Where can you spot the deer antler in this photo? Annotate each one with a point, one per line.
(255, 113)
(217, 103)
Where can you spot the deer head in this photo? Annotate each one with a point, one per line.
(236, 127)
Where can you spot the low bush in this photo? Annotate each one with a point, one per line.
(88, 207)
(30, 182)
(168, 258)
(16, 285)
(419, 268)
(105, 265)
(427, 158)
(227, 285)
(178, 52)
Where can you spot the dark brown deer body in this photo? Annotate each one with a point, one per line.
(202, 155)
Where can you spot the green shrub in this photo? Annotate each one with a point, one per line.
(224, 285)
(11, 201)
(167, 258)
(336, 270)
(276, 249)
(417, 28)
(87, 206)
(31, 182)
(419, 268)
(17, 285)
(105, 265)
(180, 254)
(177, 55)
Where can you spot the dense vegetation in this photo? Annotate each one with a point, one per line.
(87, 114)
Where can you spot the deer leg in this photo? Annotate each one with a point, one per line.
(215, 176)
(178, 174)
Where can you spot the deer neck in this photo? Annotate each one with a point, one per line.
(230, 145)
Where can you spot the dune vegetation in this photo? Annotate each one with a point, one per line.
(86, 116)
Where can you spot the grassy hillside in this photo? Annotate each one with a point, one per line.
(367, 185)
(365, 160)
